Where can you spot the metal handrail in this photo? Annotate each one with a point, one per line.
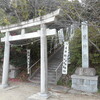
(30, 74)
(56, 71)
(34, 64)
(58, 66)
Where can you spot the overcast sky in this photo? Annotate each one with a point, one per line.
(78, 0)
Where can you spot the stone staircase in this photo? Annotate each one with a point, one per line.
(53, 63)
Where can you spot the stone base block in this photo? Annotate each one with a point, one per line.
(4, 86)
(39, 96)
(85, 71)
(85, 83)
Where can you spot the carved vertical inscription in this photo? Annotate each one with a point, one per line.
(28, 60)
(65, 58)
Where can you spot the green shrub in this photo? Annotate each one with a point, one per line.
(1, 49)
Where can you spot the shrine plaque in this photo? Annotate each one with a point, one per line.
(61, 36)
(28, 60)
(65, 58)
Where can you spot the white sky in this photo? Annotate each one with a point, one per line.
(78, 0)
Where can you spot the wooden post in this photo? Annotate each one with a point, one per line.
(6, 62)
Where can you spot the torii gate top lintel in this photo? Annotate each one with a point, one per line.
(51, 17)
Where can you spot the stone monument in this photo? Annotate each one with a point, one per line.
(85, 78)
(13, 71)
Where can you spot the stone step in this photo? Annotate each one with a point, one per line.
(49, 79)
(50, 73)
(51, 65)
(53, 71)
(37, 81)
(51, 76)
(52, 68)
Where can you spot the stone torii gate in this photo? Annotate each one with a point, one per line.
(42, 22)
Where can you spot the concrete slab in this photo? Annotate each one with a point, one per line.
(4, 86)
(72, 91)
(40, 96)
(60, 89)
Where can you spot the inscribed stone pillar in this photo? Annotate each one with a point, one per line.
(85, 51)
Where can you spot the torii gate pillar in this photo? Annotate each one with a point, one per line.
(44, 65)
(44, 93)
(6, 62)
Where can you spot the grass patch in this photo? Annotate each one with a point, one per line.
(64, 81)
(99, 90)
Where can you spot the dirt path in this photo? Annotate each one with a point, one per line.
(21, 91)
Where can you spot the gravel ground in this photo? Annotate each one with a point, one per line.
(22, 90)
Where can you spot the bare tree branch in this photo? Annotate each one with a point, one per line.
(98, 49)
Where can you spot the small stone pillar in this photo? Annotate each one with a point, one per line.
(13, 71)
(85, 78)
